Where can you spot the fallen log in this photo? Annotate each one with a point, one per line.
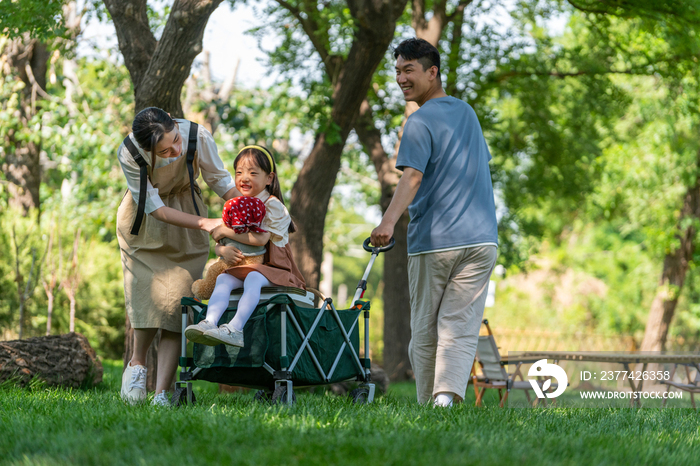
(67, 360)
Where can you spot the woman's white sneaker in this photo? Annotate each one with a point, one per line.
(134, 384)
(161, 399)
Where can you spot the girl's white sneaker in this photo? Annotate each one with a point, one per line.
(226, 335)
(195, 333)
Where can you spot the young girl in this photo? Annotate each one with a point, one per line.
(256, 176)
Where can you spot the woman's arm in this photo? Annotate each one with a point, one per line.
(181, 219)
(212, 167)
(231, 193)
(254, 239)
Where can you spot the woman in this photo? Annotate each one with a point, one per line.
(163, 235)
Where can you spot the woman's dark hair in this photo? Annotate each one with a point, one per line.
(262, 161)
(150, 125)
(421, 50)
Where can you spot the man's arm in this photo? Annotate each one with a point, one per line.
(403, 196)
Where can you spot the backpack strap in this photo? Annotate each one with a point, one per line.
(191, 148)
(143, 166)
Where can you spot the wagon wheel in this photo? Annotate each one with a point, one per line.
(360, 395)
(263, 396)
(179, 397)
(280, 396)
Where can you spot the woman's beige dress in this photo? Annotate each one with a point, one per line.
(163, 260)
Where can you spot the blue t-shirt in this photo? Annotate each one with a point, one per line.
(454, 206)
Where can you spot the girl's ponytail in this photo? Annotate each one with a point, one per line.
(275, 190)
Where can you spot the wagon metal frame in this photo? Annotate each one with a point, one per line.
(279, 373)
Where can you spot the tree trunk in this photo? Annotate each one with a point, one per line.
(49, 315)
(397, 306)
(72, 279)
(676, 264)
(66, 360)
(53, 275)
(26, 59)
(158, 69)
(309, 206)
(71, 321)
(454, 57)
(21, 320)
(25, 289)
(376, 22)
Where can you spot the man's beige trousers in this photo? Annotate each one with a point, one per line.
(448, 293)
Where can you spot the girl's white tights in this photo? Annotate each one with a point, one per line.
(225, 283)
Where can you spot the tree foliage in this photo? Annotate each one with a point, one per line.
(593, 133)
(41, 19)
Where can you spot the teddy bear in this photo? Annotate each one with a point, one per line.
(242, 215)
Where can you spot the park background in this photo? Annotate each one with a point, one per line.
(589, 108)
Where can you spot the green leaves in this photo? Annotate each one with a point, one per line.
(42, 19)
(566, 107)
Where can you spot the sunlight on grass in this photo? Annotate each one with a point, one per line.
(59, 426)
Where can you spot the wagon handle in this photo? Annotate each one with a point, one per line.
(376, 249)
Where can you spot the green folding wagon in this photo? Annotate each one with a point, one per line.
(288, 343)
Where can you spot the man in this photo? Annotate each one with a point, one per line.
(452, 235)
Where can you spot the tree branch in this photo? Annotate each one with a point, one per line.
(311, 28)
(35, 85)
(454, 55)
(171, 61)
(459, 10)
(371, 139)
(562, 75)
(136, 41)
(431, 30)
(628, 9)
(418, 14)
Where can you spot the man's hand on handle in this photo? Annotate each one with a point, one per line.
(382, 234)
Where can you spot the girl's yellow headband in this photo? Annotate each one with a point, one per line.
(264, 151)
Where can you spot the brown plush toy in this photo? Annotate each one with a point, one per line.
(242, 214)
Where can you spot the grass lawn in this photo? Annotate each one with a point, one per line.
(57, 426)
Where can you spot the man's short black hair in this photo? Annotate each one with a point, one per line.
(421, 50)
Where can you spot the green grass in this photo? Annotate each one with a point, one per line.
(58, 426)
